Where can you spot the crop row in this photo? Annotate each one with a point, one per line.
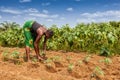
(102, 38)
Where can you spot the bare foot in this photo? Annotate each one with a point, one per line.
(44, 57)
(40, 59)
(29, 61)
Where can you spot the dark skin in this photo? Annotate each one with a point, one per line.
(40, 32)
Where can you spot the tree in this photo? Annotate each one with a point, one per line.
(6, 25)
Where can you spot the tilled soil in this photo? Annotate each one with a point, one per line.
(58, 66)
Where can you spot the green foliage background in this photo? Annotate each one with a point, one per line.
(102, 38)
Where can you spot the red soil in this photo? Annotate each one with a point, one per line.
(59, 68)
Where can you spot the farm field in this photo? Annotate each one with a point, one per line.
(77, 39)
(59, 66)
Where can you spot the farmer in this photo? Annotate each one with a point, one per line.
(33, 32)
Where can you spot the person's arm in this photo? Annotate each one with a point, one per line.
(44, 44)
(36, 46)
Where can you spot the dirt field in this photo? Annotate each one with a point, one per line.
(58, 66)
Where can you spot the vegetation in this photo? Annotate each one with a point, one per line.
(11, 34)
(56, 58)
(106, 60)
(5, 56)
(69, 58)
(97, 73)
(102, 38)
(79, 62)
(87, 58)
(70, 67)
(15, 55)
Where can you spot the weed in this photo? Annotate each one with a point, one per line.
(106, 61)
(5, 56)
(79, 62)
(87, 58)
(15, 55)
(17, 62)
(70, 67)
(34, 59)
(42, 53)
(105, 52)
(48, 65)
(68, 58)
(56, 58)
(97, 72)
(49, 60)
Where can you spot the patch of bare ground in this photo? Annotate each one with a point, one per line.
(59, 66)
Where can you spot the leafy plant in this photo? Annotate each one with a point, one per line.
(5, 56)
(92, 37)
(70, 67)
(68, 58)
(49, 60)
(97, 72)
(15, 55)
(34, 59)
(56, 58)
(48, 65)
(87, 58)
(8, 35)
(105, 52)
(106, 61)
(79, 62)
(17, 62)
(42, 53)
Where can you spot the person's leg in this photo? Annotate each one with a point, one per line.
(28, 42)
(27, 53)
(28, 38)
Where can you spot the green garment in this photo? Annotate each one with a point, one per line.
(28, 35)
